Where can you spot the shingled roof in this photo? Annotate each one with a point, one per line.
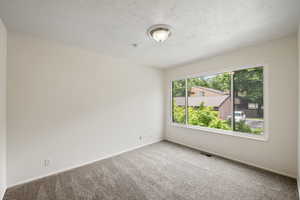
(212, 90)
(214, 101)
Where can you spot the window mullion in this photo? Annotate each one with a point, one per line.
(232, 101)
(186, 103)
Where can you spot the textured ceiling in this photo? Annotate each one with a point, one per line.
(201, 28)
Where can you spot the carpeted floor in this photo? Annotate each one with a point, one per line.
(160, 171)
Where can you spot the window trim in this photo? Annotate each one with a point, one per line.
(263, 137)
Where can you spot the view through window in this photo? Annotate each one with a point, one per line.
(178, 101)
(228, 101)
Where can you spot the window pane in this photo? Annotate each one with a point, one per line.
(248, 101)
(209, 101)
(178, 101)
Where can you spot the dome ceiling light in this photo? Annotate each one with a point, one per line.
(159, 32)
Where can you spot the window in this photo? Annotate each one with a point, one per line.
(233, 101)
(179, 101)
(212, 109)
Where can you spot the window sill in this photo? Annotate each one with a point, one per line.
(262, 137)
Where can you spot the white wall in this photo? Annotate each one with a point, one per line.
(2, 109)
(73, 106)
(280, 151)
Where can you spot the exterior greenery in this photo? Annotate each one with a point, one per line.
(178, 114)
(207, 117)
(248, 86)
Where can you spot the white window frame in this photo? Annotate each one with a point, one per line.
(262, 137)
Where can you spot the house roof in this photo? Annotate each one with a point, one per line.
(214, 101)
(211, 89)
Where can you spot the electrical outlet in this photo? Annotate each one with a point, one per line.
(46, 163)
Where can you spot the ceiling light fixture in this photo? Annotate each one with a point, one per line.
(159, 32)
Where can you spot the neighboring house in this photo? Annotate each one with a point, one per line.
(217, 99)
(203, 91)
(250, 109)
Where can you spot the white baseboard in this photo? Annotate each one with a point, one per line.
(298, 186)
(83, 164)
(231, 158)
(2, 192)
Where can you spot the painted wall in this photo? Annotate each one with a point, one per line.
(279, 152)
(2, 109)
(73, 106)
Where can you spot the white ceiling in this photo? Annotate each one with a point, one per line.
(201, 28)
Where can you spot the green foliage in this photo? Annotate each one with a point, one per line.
(242, 127)
(206, 116)
(218, 82)
(248, 83)
(248, 86)
(221, 82)
(257, 131)
(178, 114)
(194, 82)
(178, 88)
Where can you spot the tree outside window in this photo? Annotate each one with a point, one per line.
(225, 104)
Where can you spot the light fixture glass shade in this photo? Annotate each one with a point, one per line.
(159, 32)
(160, 35)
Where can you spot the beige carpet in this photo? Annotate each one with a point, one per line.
(160, 171)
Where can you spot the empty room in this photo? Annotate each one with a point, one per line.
(149, 100)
